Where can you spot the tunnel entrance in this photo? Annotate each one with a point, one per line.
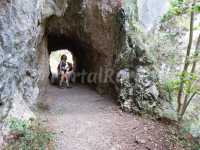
(76, 47)
(87, 65)
(55, 57)
(54, 65)
(94, 50)
(75, 51)
(92, 66)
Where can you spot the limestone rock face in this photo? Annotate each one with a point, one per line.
(24, 26)
(93, 24)
(100, 33)
(18, 68)
(151, 11)
(138, 90)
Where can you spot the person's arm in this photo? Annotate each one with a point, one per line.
(59, 67)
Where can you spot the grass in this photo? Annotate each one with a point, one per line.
(28, 135)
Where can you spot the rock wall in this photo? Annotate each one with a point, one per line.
(18, 65)
(138, 80)
(90, 24)
(150, 12)
(106, 30)
(116, 34)
(90, 29)
(24, 29)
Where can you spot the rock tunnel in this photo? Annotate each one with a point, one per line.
(92, 45)
(94, 31)
(79, 50)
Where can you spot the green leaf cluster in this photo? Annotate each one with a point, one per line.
(189, 79)
(179, 7)
(28, 135)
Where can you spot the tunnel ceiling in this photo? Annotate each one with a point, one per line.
(57, 42)
(89, 33)
(75, 46)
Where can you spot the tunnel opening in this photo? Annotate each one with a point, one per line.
(94, 51)
(54, 62)
(54, 59)
(89, 62)
(73, 45)
(86, 64)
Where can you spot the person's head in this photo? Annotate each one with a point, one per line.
(63, 58)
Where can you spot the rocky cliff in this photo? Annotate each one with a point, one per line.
(105, 33)
(139, 81)
(25, 27)
(18, 33)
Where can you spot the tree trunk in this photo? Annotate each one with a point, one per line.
(186, 63)
(196, 54)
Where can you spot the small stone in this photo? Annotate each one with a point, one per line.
(148, 148)
(139, 141)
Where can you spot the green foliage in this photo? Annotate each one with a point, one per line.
(196, 8)
(16, 125)
(179, 7)
(189, 80)
(169, 87)
(27, 135)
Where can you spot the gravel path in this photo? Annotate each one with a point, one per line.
(84, 120)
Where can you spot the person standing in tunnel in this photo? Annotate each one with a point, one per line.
(65, 70)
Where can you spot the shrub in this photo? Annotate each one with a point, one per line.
(28, 135)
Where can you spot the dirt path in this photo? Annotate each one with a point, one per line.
(83, 120)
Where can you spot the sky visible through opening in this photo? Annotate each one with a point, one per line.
(55, 59)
